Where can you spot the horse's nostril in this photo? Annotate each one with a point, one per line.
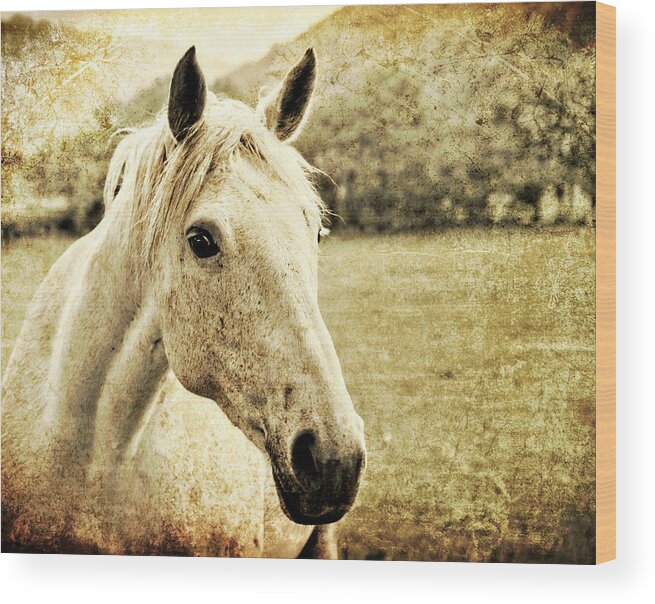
(303, 460)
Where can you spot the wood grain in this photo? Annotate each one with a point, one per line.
(605, 282)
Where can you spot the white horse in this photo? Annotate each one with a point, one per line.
(174, 388)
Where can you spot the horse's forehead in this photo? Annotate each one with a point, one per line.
(285, 215)
(245, 187)
(253, 213)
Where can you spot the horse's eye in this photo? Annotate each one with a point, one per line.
(319, 235)
(202, 243)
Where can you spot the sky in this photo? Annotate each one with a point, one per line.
(148, 43)
(224, 37)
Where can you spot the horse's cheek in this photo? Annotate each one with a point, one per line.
(190, 323)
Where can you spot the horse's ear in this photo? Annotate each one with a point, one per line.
(284, 108)
(186, 100)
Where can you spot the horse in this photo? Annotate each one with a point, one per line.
(174, 389)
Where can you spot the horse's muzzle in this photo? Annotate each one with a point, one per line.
(324, 486)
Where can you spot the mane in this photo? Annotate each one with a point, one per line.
(156, 180)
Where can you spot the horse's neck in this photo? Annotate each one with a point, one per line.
(108, 359)
(132, 380)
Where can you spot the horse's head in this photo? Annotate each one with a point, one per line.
(237, 277)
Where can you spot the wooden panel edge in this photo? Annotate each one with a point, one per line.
(605, 283)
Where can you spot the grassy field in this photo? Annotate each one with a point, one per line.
(470, 356)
